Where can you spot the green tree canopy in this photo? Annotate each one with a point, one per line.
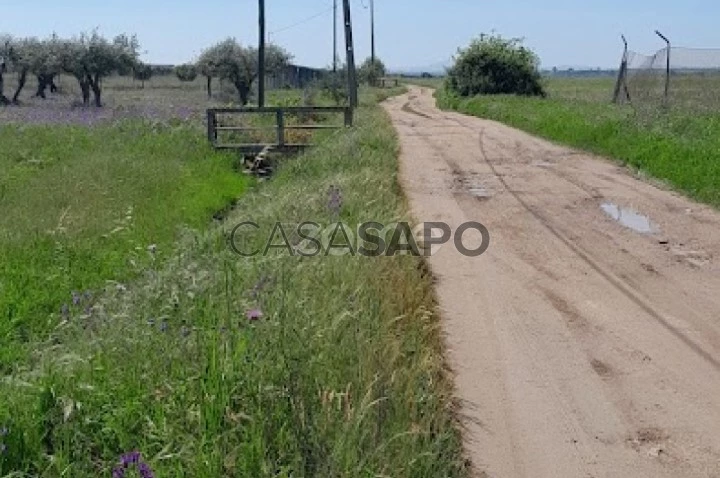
(90, 58)
(238, 64)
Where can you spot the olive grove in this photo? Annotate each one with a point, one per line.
(89, 58)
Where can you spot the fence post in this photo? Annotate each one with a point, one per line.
(667, 67)
(211, 124)
(280, 127)
(348, 117)
(622, 73)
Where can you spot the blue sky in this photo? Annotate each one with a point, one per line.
(415, 33)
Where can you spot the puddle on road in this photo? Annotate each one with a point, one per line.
(479, 192)
(629, 218)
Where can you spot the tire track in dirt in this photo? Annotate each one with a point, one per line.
(580, 348)
(615, 281)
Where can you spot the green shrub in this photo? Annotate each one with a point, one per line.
(186, 72)
(495, 65)
(371, 71)
(333, 85)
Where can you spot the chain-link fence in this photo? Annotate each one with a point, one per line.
(678, 78)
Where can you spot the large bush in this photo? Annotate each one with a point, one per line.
(495, 65)
(186, 72)
(371, 71)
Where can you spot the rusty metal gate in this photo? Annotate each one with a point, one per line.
(216, 126)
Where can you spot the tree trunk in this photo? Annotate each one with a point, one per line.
(85, 89)
(20, 86)
(209, 86)
(244, 92)
(3, 100)
(42, 86)
(97, 91)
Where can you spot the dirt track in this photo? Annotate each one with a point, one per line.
(582, 347)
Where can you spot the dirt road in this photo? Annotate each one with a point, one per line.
(586, 340)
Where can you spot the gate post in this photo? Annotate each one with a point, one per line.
(211, 127)
(280, 114)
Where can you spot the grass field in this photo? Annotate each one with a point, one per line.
(680, 146)
(130, 326)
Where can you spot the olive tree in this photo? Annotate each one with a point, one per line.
(91, 58)
(231, 61)
(39, 57)
(206, 66)
(371, 71)
(73, 62)
(495, 65)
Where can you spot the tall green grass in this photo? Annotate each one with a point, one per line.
(81, 206)
(680, 148)
(342, 375)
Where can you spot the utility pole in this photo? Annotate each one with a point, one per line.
(350, 51)
(372, 31)
(335, 14)
(261, 56)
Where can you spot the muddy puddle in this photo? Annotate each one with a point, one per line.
(479, 192)
(629, 218)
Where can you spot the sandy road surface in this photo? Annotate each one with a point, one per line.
(582, 347)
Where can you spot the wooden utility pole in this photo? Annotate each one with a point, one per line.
(261, 56)
(350, 51)
(372, 31)
(335, 58)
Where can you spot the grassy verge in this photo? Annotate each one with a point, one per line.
(84, 205)
(341, 376)
(679, 148)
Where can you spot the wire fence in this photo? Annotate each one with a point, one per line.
(677, 78)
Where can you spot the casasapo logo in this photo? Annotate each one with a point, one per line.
(369, 239)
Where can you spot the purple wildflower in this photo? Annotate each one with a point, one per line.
(131, 458)
(76, 298)
(145, 471)
(254, 315)
(127, 461)
(185, 331)
(163, 326)
(65, 311)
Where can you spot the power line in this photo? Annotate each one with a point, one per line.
(302, 22)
